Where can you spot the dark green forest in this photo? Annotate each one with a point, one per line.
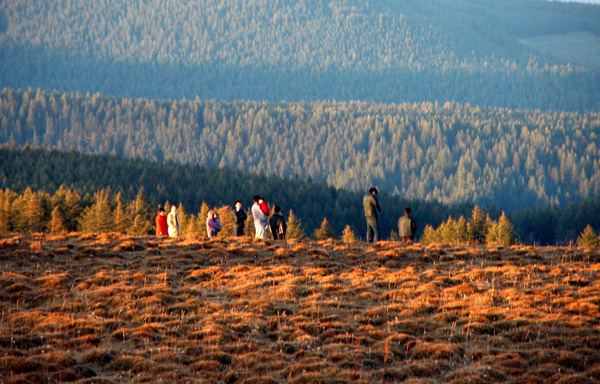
(461, 51)
(441, 104)
(75, 182)
(451, 153)
(193, 185)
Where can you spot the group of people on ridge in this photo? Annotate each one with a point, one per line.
(169, 225)
(260, 214)
(406, 224)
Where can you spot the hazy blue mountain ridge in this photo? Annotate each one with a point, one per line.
(388, 51)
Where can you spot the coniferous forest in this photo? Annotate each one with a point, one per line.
(52, 191)
(513, 54)
(451, 153)
(454, 104)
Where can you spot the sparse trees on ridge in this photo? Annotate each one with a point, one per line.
(88, 175)
(474, 231)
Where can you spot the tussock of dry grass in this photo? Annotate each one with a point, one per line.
(111, 309)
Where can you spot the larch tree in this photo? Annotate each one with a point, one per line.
(588, 238)
(141, 216)
(325, 231)
(348, 235)
(121, 220)
(97, 218)
(57, 222)
(294, 227)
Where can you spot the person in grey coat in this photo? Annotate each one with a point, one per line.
(372, 209)
(407, 227)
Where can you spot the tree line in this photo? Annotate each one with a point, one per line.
(389, 52)
(106, 212)
(67, 211)
(193, 185)
(123, 189)
(451, 153)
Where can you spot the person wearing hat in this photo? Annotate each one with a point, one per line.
(372, 209)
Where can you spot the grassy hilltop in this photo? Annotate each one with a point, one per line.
(114, 309)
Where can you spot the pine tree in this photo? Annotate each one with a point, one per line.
(71, 206)
(35, 212)
(462, 236)
(249, 226)
(28, 213)
(226, 215)
(324, 232)
(97, 218)
(120, 217)
(476, 226)
(141, 216)
(506, 232)
(57, 223)
(348, 235)
(193, 226)
(6, 198)
(18, 220)
(492, 236)
(449, 232)
(183, 220)
(294, 227)
(202, 216)
(490, 228)
(430, 236)
(588, 238)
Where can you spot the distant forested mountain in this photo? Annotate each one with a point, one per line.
(451, 153)
(511, 53)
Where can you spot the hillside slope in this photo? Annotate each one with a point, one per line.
(451, 153)
(109, 309)
(439, 50)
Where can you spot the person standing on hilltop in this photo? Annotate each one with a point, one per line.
(277, 224)
(239, 219)
(213, 224)
(407, 227)
(173, 222)
(162, 229)
(260, 219)
(372, 209)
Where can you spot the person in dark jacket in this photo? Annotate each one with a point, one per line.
(239, 219)
(407, 227)
(372, 209)
(277, 224)
(213, 224)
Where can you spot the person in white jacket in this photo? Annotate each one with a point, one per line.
(260, 220)
(173, 222)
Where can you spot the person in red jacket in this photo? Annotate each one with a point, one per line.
(264, 207)
(161, 223)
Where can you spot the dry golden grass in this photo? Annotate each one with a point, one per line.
(118, 309)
